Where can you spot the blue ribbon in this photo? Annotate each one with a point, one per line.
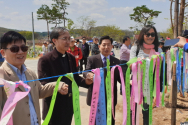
(101, 108)
(177, 70)
(183, 82)
(60, 75)
(163, 55)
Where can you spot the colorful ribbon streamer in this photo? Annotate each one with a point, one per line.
(95, 96)
(13, 98)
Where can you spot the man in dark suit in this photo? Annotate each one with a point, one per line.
(59, 62)
(85, 51)
(97, 61)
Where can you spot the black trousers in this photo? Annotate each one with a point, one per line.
(83, 61)
(124, 69)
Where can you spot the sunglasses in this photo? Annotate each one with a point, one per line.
(16, 49)
(150, 34)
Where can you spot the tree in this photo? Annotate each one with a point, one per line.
(44, 13)
(86, 25)
(56, 16)
(70, 26)
(168, 32)
(144, 15)
(28, 35)
(113, 31)
(61, 6)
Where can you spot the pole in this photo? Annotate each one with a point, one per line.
(33, 35)
(176, 10)
(174, 96)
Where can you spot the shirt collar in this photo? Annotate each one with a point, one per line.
(102, 56)
(23, 68)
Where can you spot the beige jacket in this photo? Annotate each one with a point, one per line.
(21, 114)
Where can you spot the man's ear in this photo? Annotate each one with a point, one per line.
(54, 41)
(2, 51)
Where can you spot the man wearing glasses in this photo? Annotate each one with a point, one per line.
(27, 111)
(85, 52)
(59, 62)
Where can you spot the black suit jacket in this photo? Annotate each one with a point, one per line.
(51, 65)
(96, 62)
(85, 50)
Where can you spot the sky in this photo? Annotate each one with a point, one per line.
(16, 14)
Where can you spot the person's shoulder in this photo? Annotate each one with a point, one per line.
(94, 57)
(116, 60)
(47, 56)
(70, 55)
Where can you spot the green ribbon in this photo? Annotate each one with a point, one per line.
(143, 66)
(48, 117)
(133, 60)
(75, 99)
(151, 89)
(108, 94)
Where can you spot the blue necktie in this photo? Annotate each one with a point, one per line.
(104, 61)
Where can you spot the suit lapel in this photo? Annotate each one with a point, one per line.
(31, 84)
(12, 75)
(99, 62)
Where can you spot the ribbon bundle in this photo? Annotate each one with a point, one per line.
(145, 85)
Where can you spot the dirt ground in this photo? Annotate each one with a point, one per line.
(161, 115)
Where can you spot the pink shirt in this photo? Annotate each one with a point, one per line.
(124, 53)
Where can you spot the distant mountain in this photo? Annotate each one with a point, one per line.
(4, 30)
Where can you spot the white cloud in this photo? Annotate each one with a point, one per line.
(158, 0)
(121, 10)
(40, 2)
(14, 13)
(7, 8)
(97, 16)
(87, 6)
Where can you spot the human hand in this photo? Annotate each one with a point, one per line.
(76, 56)
(181, 42)
(64, 89)
(89, 78)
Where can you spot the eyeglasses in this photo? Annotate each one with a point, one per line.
(150, 34)
(16, 49)
(65, 38)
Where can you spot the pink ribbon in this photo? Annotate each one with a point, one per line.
(95, 96)
(123, 91)
(134, 92)
(152, 52)
(6, 117)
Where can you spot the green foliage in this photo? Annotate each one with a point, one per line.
(59, 11)
(144, 15)
(86, 25)
(32, 54)
(44, 13)
(70, 26)
(166, 33)
(28, 35)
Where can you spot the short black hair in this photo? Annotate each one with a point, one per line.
(125, 38)
(161, 43)
(105, 37)
(9, 37)
(83, 37)
(56, 32)
(77, 40)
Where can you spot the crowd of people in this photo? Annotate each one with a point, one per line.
(62, 59)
